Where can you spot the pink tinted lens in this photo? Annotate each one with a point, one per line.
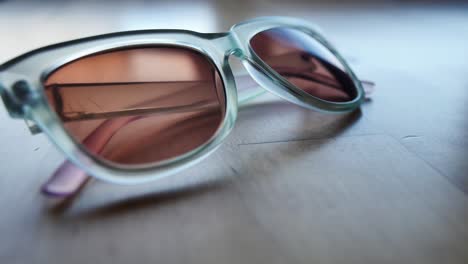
(305, 63)
(141, 105)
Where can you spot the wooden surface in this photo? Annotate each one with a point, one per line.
(388, 184)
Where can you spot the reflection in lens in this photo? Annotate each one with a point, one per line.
(305, 63)
(141, 105)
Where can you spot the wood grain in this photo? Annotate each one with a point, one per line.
(387, 184)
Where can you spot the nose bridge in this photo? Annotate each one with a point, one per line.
(229, 44)
(247, 87)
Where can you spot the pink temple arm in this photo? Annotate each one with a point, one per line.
(68, 179)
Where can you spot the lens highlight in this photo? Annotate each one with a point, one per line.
(305, 63)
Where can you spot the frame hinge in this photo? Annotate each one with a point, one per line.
(33, 127)
(12, 106)
(15, 92)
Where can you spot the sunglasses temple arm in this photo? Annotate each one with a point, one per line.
(248, 89)
(369, 88)
(68, 179)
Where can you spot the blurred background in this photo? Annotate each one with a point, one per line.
(404, 30)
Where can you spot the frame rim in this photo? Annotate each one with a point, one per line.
(216, 47)
(129, 167)
(248, 29)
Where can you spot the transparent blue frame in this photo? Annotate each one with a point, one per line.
(21, 87)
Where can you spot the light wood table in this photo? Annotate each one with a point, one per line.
(388, 184)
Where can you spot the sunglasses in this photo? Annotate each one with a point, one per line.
(136, 106)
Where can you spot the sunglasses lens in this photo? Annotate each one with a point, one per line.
(139, 106)
(305, 63)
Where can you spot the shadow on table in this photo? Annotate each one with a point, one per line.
(327, 127)
(138, 202)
